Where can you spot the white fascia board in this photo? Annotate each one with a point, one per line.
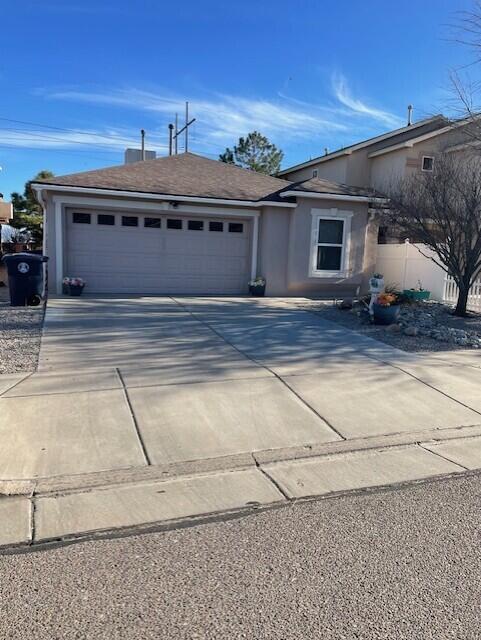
(332, 196)
(355, 147)
(413, 141)
(159, 196)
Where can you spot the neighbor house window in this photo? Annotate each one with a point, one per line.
(236, 227)
(195, 225)
(81, 218)
(107, 219)
(174, 223)
(428, 163)
(130, 221)
(329, 242)
(152, 223)
(315, 173)
(216, 226)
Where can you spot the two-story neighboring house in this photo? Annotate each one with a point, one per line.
(378, 163)
(374, 163)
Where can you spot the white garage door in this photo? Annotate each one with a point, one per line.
(148, 253)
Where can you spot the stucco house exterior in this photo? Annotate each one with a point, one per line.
(378, 162)
(185, 224)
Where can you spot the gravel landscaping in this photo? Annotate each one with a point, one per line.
(20, 332)
(423, 326)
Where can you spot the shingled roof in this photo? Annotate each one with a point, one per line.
(320, 185)
(188, 174)
(185, 174)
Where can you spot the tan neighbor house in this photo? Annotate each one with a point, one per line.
(185, 224)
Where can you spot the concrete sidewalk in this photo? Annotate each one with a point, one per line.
(154, 410)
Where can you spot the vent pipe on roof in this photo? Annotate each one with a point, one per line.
(326, 151)
(410, 114)
(142, 143)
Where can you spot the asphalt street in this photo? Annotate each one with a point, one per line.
(402, 563)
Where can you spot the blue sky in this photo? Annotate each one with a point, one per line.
(80, 78)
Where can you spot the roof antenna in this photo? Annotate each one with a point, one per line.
(410, 114)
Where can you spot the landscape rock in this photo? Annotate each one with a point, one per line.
(347, 303)
(411, 331)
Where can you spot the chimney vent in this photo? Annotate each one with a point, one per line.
(135, 155)
(410, 114)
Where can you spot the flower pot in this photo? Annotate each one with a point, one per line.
(75, 289)
(386, 315)
(413, 294)
(257, 290)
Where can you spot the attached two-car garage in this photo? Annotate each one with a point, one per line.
(130, 252)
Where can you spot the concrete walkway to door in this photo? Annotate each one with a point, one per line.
(233, 401)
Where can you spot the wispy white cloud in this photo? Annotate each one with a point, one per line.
(343, 94)
(223, 117)
(220, 119)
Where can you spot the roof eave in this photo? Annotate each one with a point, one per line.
(158, 196)
(360, 145)
(333, 196)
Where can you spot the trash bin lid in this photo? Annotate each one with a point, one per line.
(24, 256)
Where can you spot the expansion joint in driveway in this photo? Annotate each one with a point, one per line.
(263, 366)
(134, 419)
(270, 478)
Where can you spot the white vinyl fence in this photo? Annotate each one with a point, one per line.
(451, 293)
(407, 265)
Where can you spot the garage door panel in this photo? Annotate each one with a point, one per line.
(116, 258)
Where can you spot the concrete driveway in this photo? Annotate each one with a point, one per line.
(144, 385)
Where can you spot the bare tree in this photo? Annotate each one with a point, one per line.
(442, 209)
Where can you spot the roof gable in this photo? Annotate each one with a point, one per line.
(378, 142)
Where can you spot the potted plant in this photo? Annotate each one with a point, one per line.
(73, 286)
(386, 308)
(417, 293)
(257, 287)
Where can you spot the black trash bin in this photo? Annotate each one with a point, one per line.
(25, 278)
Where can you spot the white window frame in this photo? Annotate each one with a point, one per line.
(330, 214)
(422, 164)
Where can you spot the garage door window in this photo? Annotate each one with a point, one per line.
(195, 225)
(81, 218)
(236, 227)
(130, 221)
(152, 223)
(105, 219)
(216, 226)
(174, 223)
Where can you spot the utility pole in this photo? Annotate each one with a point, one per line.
(171, 128)
(142, 143)
(184, 128)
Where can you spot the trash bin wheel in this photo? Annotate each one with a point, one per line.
(34, 300)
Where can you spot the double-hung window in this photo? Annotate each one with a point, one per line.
(330, 243)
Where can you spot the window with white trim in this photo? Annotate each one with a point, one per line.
(330, 243)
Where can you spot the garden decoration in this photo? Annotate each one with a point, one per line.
(376, 286)
(417, 293)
